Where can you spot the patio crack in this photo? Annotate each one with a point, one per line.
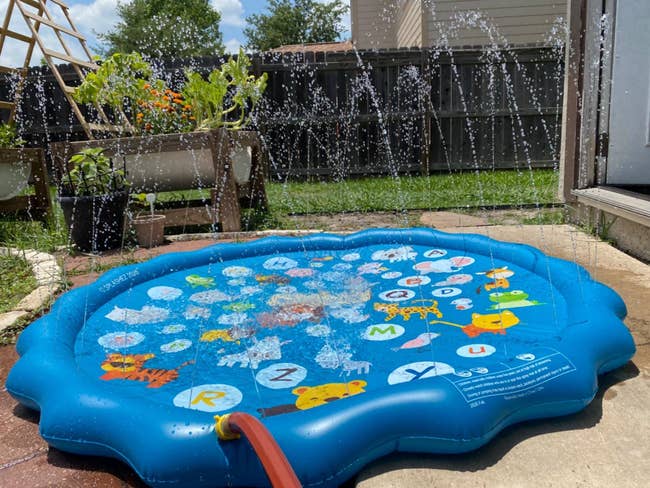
(16, 462)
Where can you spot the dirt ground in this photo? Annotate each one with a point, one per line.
(353, 221)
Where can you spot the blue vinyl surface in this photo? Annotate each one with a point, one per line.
(347, 349)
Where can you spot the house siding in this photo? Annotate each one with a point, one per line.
(373, 24)
(386, 24)
(409, 24)
(513, 22)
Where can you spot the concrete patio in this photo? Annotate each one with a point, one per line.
(607, 444)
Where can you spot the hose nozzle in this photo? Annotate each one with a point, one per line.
(223, 428)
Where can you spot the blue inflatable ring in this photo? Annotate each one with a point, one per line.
(347, 349)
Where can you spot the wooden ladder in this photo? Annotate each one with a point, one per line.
(36, 14)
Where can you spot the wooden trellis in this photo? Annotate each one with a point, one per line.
(36, 14)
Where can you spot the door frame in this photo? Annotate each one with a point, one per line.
(585, 118)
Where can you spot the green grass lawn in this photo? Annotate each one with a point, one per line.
(460, 190)
(455, 190)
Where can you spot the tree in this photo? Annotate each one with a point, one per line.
(165, 28)
(295, 22)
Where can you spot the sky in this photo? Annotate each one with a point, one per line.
(99, 16)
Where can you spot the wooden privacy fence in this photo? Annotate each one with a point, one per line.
(340, 114)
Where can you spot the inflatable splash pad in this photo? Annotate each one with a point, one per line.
(344, 348)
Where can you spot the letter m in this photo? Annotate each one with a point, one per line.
(378, 330)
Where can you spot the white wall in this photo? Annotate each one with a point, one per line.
(518, 21)
(409, 24)
(373, 24)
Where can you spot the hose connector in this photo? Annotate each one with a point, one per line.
(223, 429)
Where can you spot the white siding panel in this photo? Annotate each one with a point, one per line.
(375, 26)
(409, 24)
(516, 21)
(442, 5)
(399, 23)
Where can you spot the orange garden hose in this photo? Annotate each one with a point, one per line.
(273, 460)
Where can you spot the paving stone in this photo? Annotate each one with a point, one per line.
(54, 468)
(26, 460)
(450, 219)
(47, 272)
(35, 256)
(8, 319)
(38, 298)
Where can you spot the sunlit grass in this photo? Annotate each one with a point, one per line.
(461, 190)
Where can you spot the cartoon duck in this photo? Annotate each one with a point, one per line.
(195, 280)
(511, 299)
(495, 323)
(462, 303)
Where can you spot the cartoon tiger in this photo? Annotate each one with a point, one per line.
(393, 310)
(131, 367)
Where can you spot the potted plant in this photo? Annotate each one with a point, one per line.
(149, 227)
(190, 138)
(14, 168)
(94, 197)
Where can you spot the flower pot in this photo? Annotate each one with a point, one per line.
(96, 223)
(150, 230)
(14, 178)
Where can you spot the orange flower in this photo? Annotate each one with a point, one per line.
(139, 116)
(166, 98)
(178, 101)
(187, 107)
(146, 86)
(192, 118)
(157, 104)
